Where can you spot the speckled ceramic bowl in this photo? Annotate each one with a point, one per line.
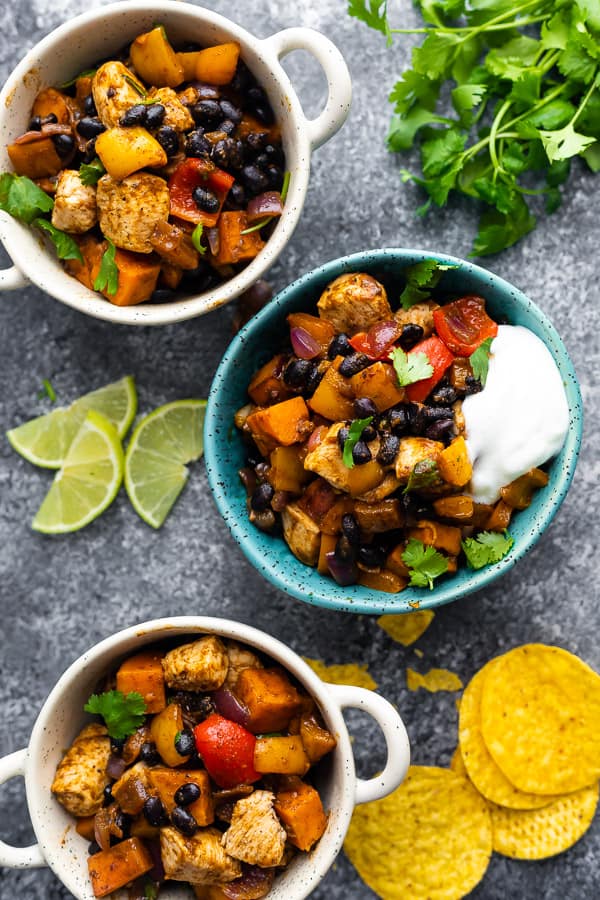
(98, 33)
(61, 718)
(254, 345)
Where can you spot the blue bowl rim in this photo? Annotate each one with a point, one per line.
(359, 599)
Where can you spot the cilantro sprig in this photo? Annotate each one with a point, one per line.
(486, 547)
(91, 173)
(421, 278)
(425, 564)
(197, 237)
(524, 99)
(122, 713)
(354, 435)
(480, 361)
(410, 367)
(21, 198)
(108, 275)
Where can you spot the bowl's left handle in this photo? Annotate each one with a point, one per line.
(394, 732)
(11, 279)
(17, 857)
(339, 84)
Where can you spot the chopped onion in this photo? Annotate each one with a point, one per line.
(344, 572)
(267, 204)
(305, 346)
(102, 832)
(115, 766)
(212, 236)
(254, 884)
(230, 707)
(317, 437)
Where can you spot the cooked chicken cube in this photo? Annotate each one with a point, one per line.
(354, 302)
(200, 666)
(81, 775)
(177, 115)
(240, 658)
(113, 92)
(200, 859)
(256, 836)
(414, 450)
(419, 314)
(302, 535)
(128, 210)
(74, 204)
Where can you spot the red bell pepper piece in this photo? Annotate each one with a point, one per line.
(193, 173)
(377, 342)
(439, 358)
(227, 750)
(464, 324)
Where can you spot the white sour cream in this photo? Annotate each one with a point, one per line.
(521, 417)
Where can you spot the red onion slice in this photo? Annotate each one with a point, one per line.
(230, 707)
(115, 766)
(214, 242)
(102, 822)
(344, 572)
(304, 345)
(267, 204)
(316, 437)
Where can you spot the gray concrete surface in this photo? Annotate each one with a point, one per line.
(59, 596)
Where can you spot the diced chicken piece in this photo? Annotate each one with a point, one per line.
(413, 450)
(200, 859)
(354, 302)
(81, 775)
(113, 92)
(74, 204)
(177, 115)
(389, 484)
(302, 535)
(256, 836)
(326, 459)
(419, 314)
(240, 658)
(129, 210)
(200, 666)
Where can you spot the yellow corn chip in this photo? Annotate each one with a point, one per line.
(457, 763)
(487, 777)
(343, 673)
(539, 833)
(430, 838)
(433, 681)
(540, 719)
(407, 628)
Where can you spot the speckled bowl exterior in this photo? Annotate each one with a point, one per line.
(255, 344)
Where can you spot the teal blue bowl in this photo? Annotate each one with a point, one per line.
(257, 343)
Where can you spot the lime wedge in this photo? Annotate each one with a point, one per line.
(158, 452)
(45, 441)
(88, 481)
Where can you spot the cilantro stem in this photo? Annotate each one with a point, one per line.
(494, 132)
(587, 96)
(456, 29)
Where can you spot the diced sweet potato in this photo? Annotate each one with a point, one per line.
(234, 245)
(114, 868)
(301, 812)
(271, 699)
(164, 728)
(385, 580)
(287, 472)
(85, 827)
(322, 331)
(378, 383)
(454, 464)
(91, 250)
(317, 741)
(216, 65)
(283, 423)
(143, 673)
(33, 154)
(364, 478)
(127, 150)
(457, 508)
(333, 398)
(499, 518)
(155, 60)
(167, 781)
(396, 564)
(137, 277)
(379, 517)
(281, 755)
(442, 537)
(52, 102)
(519, 493)
(328, 542)
(331, 523)
(170, 275)
(141, 828)
(267, 385)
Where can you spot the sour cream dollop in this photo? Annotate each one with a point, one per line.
(521, 417)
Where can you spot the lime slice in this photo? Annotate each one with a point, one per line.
(45, 441)
(158, 452)
(88, 481)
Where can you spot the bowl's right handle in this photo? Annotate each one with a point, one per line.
(339, 83)
(394, 732)
(17, 857)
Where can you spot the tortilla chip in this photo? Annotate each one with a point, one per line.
(540, 833)
(487, 777)
(407, 628)
(540, 719)
(433, 681)
(430, 838)
(457, 764)
(343, 673)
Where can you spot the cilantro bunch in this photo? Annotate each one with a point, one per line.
(524, 81)
(21, 198)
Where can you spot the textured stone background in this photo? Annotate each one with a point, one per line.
(59, 596)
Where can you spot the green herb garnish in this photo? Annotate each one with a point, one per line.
(410, 367)
(150, 891)
(196, 237)
(87, 73)
(424, 562)
(138, 88)
(91, 173)
(420, 281)
(486, 547)
(66, 246)
(424, 474)
(47, 391)
(22, 199)
(122, 713)
(108, 276)
(480, 361)
(354, 435)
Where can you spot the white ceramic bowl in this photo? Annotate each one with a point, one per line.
(81, 41)
(60, 847)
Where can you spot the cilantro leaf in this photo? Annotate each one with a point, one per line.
(564, 142)
(197, 237)
(437, 53)
(354, 435)
(47, 391)
(424, 474)
(87, 73)
(22, 199)
(108, 276)
(498, 230)
(424, 562)
(66, 246)
(414, 89)
(480, 361)
(486, 547)
(592, 156)
(403, 129)
(465, 98)
(122, 713)
(372, 12)
(91, 173)
(410, 367)
(420, 279)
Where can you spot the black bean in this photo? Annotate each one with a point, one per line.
(154, 812)
(264, 114)
(411, 334)
(155, 115)
(345, 549)
(368, 434)
(50, 119)
(444, 394)
(89, 106)
(350, 529)
(237, 195)
(90, 127)
(228, 153)
(354, 363)
(35, 124)
(227, 126)
(361, 453)
(262, 496)
(107, 797)
(206, 200)
(94, 848)
(196, 706)
(261, 160)
(184, 821)
(161, 295)
(371, 555)
(63, 144)
(116, 745)
(414, 509)
(275, 176)
(255, 95)
(399, 419)
(415, 418)
(187, 794)
(168, 140)
(206, 112)
(388, 448)
(264, 520)
(364, 407)
(342, 437)
(197, 145)
(433, 413)
(297, 372)
(473, 385)
(256, 140)
(149, 754)
(242, 79)
(439, 430)
(230, 111)
(135, 115)
(254, 180)
(90, 151)
(185, 743)
(313, 380)
(274, 153)
(339, 346)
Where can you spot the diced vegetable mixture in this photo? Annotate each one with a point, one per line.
(156, 171)
(355, 438)
(201, 772)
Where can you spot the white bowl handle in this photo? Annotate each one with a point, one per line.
(11, 279)
(339, 84)
(394, 732)
(17, 857)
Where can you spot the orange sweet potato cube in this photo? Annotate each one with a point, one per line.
(167, 781)
(267, 385)
(301, 813)
(378, 383)
(271, 699)
(143, 673)
(114, 868)
(283, 423)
